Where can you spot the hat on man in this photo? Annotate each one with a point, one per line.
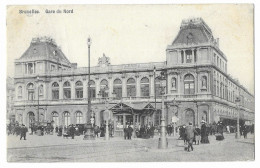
(202, 121)
(190, 123)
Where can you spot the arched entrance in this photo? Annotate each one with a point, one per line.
(30, 119)
(189, 116)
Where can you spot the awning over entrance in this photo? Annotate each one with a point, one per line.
(131, 108)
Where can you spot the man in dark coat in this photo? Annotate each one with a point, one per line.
(125, 132)
(129, 132)
(72, 131)
(190, 132)
(24, 130)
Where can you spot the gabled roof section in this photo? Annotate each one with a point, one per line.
(194, 31)
(44, 48)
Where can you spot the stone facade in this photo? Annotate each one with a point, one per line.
(197, 84)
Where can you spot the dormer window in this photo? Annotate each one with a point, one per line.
(34, 50)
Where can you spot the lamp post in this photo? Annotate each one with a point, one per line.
(238, 131)
(89, 41)
(38, 101)
(163, 143)
(89, 135)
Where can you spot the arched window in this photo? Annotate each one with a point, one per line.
(79, 117)
(30, 88)
(117, 88)
(66, 118)
(20, 92)
(55, 118)
(189, 86)
(204, 82)
(145, 87)
(92, 89)
(55, 91)
(131, 88)
(103, 88)
(66, 90)
(79, 89)
(174, 83)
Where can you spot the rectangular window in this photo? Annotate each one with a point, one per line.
(118, 92)
(67, 94)
(188, 56)
(79, 93)
(55, 94)
(92, 92)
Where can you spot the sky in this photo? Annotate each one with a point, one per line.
(133, 33)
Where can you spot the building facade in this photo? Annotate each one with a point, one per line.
(10, 97)
(48, 87)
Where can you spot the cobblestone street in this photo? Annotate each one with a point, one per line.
(51, 148)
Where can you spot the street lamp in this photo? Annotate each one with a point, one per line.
(238, 131)
(163, 143)
(89, 129)
(38, 101)
(89, 41)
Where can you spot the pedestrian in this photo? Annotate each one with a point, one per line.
(204, 133)
(245, 132)
(190, 132)
(102, 131)
(126, 132)
(56, 129)
(220, 129)
(96, 131)
(24, 130)
(72, 131)
(197, 135)
(129, 132)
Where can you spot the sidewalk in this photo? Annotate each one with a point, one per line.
(53, 140)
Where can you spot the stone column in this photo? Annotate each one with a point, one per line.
(110, 85)
(60, 90)
(124, 88)
(138, 86)
(124, 120)
(72, 84)
(151, 85)
(97, 82)
(193, 56)
(25, 118)
(85, 88)
(184, 56)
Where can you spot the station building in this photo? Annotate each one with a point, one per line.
(48, 87)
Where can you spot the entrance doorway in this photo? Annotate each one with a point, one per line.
(189, 117)
(31, 119)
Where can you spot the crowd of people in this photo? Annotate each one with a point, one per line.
(190, 134)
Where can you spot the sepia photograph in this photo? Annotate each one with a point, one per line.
(130, 83)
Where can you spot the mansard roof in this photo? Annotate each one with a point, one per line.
(194, 31)
(44, 48)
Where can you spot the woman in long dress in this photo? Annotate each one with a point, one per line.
(204, 132)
